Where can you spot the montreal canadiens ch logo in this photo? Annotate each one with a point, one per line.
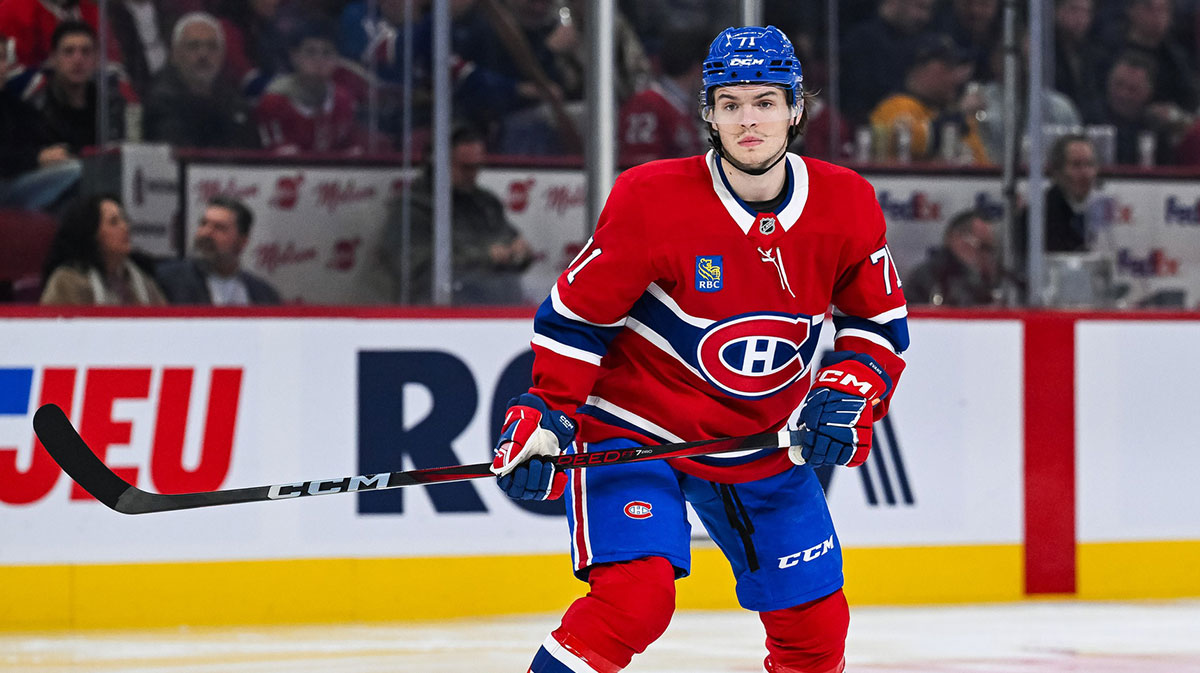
(757, 355)
(638, 510)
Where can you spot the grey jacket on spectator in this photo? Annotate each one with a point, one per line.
(186, 282)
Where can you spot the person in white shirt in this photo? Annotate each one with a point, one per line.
(213, 275)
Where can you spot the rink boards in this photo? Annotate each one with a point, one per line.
(1025, 454)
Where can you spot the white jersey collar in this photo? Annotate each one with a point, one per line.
(742, 214)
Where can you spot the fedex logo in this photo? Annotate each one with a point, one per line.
(991, 208)
(1178, 212)
(1154, 264)
(168, 390)
(917, 207)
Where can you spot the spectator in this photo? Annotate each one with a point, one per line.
(376, 39)
(876, 55)
(90, 261)
(1073, 170)
(34, 173)
(988, 105)
(255, 48)
(541, 122)
(1148, 33)
(190, 105)
(974, 25)
(307, 111)
(660, 121)
(963, 271)
(214, 274)
(67, 99)
(1129, 89)
(631, 66)
(139, 30)
(487, 251)
(927, 106)
(31, 24)
(1076, 59)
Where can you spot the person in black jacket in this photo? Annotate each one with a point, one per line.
(214, 275)
(190, 105)
(35, 173)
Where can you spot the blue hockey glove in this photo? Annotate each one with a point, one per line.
(838, 413)
(531, 434)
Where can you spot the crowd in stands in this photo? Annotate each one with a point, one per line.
(918, 80)
(922, 77)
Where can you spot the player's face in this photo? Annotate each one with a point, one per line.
(753, 122)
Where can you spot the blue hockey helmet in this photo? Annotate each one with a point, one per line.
(752, 55)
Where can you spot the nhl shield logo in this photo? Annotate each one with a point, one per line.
(766, 225)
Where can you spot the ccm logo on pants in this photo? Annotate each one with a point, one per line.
(807, 555)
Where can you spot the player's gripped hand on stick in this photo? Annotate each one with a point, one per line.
(531, 431)
(838, 412)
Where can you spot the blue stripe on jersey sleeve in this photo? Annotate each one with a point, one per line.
(895, 331)
(557, 327)
(658, 318)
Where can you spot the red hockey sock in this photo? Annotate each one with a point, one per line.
(629, 606)
(808, 638)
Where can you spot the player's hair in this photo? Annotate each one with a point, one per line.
(1057, 159)
(197, 17)
(68, 28)
(241, 213)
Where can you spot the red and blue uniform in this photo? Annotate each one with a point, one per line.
(700, 319)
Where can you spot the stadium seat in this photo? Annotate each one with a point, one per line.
(25, 238)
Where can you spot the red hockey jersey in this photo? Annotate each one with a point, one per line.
(690, 316)
(288, 126)
(660, 122)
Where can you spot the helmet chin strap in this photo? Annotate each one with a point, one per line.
(715, 138)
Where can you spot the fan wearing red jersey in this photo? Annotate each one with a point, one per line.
(693, 313)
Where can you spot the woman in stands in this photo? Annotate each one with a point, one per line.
(89, 262)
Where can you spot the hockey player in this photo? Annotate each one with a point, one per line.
(694, 313)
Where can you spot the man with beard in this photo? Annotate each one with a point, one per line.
(214, 275)
(189, 104)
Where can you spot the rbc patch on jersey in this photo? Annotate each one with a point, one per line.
(709, 273)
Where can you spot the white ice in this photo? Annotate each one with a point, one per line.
(1027, 637)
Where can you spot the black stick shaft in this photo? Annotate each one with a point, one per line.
(78, 460)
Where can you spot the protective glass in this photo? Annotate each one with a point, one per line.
(747, 112)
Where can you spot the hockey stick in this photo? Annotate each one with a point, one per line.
(78, 460)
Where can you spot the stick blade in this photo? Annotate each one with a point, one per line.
(75, 457)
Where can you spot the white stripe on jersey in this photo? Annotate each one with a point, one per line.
(659, 341)
(881, 319)
(565, 350)
(565, 656)
(561, 309)
(874, 338)
(658, 293)
(632, 419)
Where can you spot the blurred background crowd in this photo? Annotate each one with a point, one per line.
(909, 82)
